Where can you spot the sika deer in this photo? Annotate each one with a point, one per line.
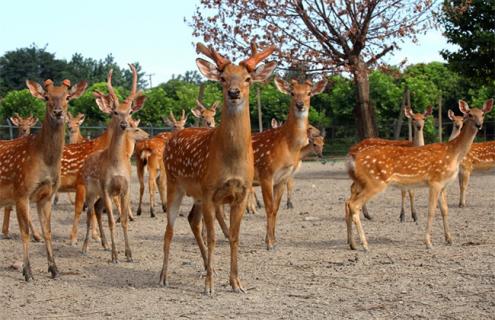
(435, 165)
(30, 166)
(418, 121)
(205, 115)
(149, 153)
(480, 157)
(24, 126)
(74, 126)
(215, 166)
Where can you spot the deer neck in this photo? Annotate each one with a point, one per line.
(306, 150)
(76, 137)
(295, 129)
(454, 134)
(50, 141)
(462, 144)
(419, 139)
(116, 151)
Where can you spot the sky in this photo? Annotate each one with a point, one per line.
(152, 32)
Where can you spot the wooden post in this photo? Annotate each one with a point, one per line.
(409, 122)
(398, 124)
(260, 115)
(440, 124)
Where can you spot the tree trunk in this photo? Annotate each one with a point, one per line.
(364, 111)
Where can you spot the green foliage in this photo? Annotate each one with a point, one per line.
(386, 97)
(22, 102)
(340, 101)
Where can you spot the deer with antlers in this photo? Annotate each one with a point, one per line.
(149, 153)
(418, 122)
(74, 127)
(107, 173)
(30, 166)
(435, 166)
(24, 126)
(480, 157)
(215, 166)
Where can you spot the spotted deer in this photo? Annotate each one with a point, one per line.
(435, 166)
(106, 173)
(149, 153)
(74, 127)
(24, 126)
(277, 151)
(418, 122)
(204, 114)
(480, 157)
(215, 166)
(30, 166)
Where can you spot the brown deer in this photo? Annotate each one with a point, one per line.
(215, 166)
(74, 127)
(480, 157)
(149, 153)
(434, 165)
(24, 126)
(30, 166)
(277, 151)
(205, 115)
(418, 122)
(106, 173)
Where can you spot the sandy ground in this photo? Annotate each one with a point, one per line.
(311, 275)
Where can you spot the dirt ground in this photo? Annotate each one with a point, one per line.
(311, 275)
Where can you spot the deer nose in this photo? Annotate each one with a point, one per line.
(234, 93)
(123, 125)
(300, 105)
(58, 113)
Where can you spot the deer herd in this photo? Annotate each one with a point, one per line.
(215, 164)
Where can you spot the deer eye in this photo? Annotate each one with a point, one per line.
(248, 79)
(222, 79)
(115, 113)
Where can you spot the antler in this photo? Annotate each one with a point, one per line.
(199, 105)
(211, 53)
(132, 95)
(256, 57)
(171, 117)
(183, 116)
(110, 88)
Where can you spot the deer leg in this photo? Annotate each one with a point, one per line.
(152, 185)
(258, 202)
(414, 215)
(366, 214)
(162, 186)
(6, 222)
(44, 207)
(22, 209)
(464, 176)
(432, 207)
(174, 199)
(208, 209)
(278, 191)
(251, 202)
(124, 202)
(36, 235)
(80, 196)
(348, 221)
(267, 192)
(140, 174)
(111, 224)
(55, 199)
(355, 188)
(99, 207)
(219, 214)
(236, 213)
(195, 216)
(444, 209)
(90, 211)
(402, 217)
(290, 187)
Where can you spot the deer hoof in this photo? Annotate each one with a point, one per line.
(290, 205)
(54, 271)
(27, 273)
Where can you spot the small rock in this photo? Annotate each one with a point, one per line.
(311, 218)
(17, 265)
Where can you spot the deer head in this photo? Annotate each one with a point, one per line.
(418, 119)
(301, 94)
(474, 117)
(207, 115)
(56, 97)
(120, 111)
(235, 79)
(317, 143)
(176, 124)
(458, 121)
(74, 123)
(24, 125)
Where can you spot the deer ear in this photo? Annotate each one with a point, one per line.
(488, 105)
(282, 85)
(428, 111)
(36, 89)
(32, 121)
(82, 117)
(451, 115)
(78, 90)
(15, 120)
(319, 87)
(136, 122)
(408, 112)
(263, 72)
(104, 102)
(463, 106)
(196, 113)
(208, 69)
(138, 102)
(274, 123)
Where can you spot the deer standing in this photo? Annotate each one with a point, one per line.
(277, 151)
(149, 153)
(74, 126)
(434, 165)
(24, 126)
(418, 122)
(30, 166)
(215, 166)
(480, 157)
(106, 173)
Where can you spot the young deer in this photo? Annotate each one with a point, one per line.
(277, 151)
(30, 166)
(205, 115)
(74, 126)
(24, 126)
(149, 153)
(106, 173)
(481, 156)
(215, 166)
(418, 122)
(435, 165)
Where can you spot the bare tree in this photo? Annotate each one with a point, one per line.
(321, 35)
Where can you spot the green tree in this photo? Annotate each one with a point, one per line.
(22, 102)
